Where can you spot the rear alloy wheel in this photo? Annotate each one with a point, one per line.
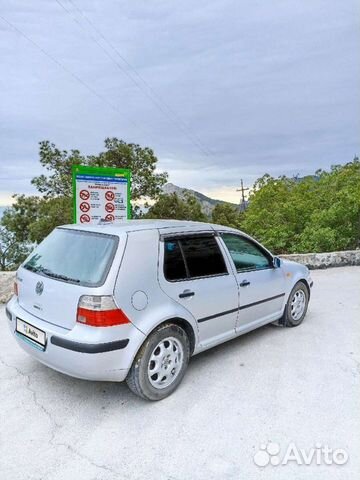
(297, 305)
(160, 364)
(165, 362)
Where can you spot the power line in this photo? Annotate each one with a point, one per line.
(65, 69)
(141, 78)
(135, 77)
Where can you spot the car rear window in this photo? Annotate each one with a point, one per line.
(193, 257)
(74, 256)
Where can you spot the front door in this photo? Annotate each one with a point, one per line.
(195, 273)
(261, 286)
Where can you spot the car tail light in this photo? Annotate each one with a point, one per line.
(100, 311)
(16, 289)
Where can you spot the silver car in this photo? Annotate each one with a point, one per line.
(135, 301)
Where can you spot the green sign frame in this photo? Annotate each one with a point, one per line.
(108, 172)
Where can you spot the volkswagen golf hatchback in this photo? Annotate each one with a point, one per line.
(135, 301)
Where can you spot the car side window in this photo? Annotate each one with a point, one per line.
(203, 256)
(192, 257)
(174, 265)
(245, 254)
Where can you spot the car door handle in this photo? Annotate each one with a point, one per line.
(186, 293)
(244, 283)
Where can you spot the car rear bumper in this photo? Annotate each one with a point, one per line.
(89, 347)
(100, 357)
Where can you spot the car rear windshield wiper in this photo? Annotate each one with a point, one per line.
(30, 267)
(51, 274)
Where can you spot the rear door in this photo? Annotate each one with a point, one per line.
(196, 274)
(261, 286)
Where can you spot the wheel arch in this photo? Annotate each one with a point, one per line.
(306, 283)
(181, 322)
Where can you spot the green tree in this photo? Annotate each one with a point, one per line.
(11, 254)
(270, 216)
(31, 218)
(174, 207)
(226, 214)
(334, 223)
(317, 213)
(145, 182)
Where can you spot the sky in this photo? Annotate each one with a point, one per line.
(221, 90)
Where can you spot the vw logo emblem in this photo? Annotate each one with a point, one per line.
(39, 288)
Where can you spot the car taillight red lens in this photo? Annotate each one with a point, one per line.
(16, 289)
(100, 311)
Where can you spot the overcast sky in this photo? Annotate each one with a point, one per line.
(221, 90)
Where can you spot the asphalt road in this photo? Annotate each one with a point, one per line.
(277, 385)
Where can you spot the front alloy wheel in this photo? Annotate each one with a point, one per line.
(296, 306)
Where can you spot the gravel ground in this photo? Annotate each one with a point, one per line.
(6, 285)
(277, 385)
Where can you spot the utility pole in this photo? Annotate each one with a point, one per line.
(242, 190)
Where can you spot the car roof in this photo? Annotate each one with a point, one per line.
(137, 225)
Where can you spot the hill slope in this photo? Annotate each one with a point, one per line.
(207, 203)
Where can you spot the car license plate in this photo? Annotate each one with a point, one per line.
(31, 332)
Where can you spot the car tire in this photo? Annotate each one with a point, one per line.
(160, 364)
(297, 305)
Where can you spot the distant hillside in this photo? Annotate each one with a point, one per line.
(207, 203)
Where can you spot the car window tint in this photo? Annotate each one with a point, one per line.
(203, 256)
(245, 254)
(75, 256)
(174, 266)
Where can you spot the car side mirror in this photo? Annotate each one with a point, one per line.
(276, 262)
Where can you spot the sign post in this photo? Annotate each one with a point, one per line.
(101, 193)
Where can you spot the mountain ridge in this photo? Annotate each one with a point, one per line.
(207, 203)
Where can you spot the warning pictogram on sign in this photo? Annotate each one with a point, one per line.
(109, 207)
(99, 193)
(109, 196)
(84, 218)
(84, 195)
(84, 207)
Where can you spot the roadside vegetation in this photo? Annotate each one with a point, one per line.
(314, 214)
(318, 213)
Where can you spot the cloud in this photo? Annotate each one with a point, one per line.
(242, 87)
